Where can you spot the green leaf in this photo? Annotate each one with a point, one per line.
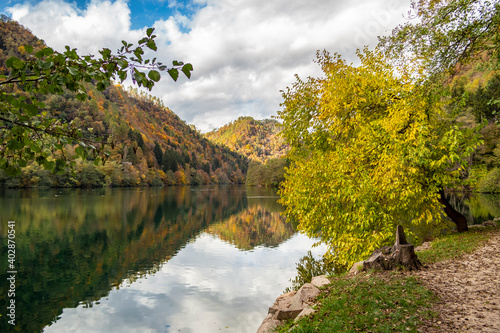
(152, 45)
(31, 110)
(106, 53)
(110, 67)
(73, 71)
(40, 160)
(15, 144)
(174, 73)
(81, 96)
(48, 165)
(80, 151)
(186, 69)
(154, 75)
(18, 64)
(122, 63)
(22, 163)
(100, 86)
(39, 54)
(177, 63)
(12, 171)
(48, 51)
(10, 62)
(122, 75)
(46, 64)
(28, 48)
(34, 147)
(150, 31)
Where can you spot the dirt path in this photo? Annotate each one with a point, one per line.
(468, 289)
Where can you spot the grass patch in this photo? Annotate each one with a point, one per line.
(385, 302)
(455, 245)
(369, 303)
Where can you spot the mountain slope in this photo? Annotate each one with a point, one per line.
(259, 140)
(146, 142)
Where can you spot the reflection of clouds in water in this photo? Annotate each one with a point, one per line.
(208, 286)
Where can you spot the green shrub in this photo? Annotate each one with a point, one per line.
(491, 182)
(307, 268)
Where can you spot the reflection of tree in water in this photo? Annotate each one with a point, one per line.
(72, 247)
(477, 207)
(253, 227)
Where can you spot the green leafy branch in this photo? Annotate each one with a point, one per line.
(28, 133)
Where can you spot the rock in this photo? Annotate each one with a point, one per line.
(306, 293)
(423, 247)
(304, 313)
(268, 324)
(320, 281)
(490, 223)
(289, 306)
(356, 268)
(282, 302)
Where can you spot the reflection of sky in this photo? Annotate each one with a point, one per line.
(209, 286)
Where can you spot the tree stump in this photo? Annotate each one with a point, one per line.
(401, 254)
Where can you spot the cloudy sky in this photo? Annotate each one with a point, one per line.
(243, 51)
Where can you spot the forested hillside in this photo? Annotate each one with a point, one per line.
(145, 142)
(259, 140)
(475, 91)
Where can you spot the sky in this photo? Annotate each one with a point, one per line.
(244, 52)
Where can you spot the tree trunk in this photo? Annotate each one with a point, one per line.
(401, 254)
(454, 215)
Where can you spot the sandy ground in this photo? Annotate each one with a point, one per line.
(468, 289)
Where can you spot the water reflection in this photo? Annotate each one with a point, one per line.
(165, 255)
(477, 207)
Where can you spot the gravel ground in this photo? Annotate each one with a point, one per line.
(468, 289)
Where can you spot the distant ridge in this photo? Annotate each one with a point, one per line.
(259, 140)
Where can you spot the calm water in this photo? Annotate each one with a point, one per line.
(477, 208)
(179, 259)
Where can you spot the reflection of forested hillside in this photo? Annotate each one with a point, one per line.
(253, 227)
(74, 246)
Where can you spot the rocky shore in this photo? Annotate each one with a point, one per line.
(293, 305)
(468, 289)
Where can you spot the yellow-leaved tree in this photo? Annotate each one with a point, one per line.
(370, 149)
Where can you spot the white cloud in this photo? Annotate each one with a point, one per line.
(209, 280)
(243, 51)
(101, 24)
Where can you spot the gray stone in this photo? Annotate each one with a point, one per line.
(304, 313)
(268, 324)
(356, 268)
(423, 247)
(489, 223)
(288, 313)
(305, 294)
(283, 308)
(282, 302)
(320, 281)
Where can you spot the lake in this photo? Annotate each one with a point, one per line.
(176, 259)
